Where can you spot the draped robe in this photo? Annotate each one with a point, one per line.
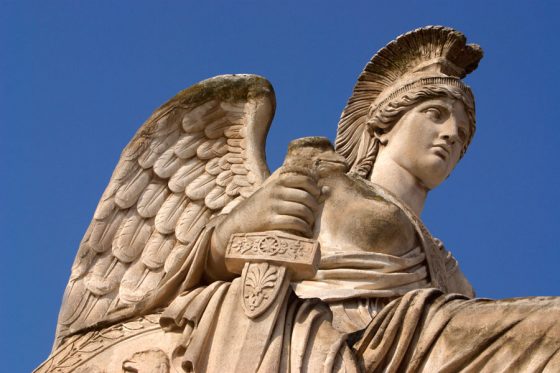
(367, 311)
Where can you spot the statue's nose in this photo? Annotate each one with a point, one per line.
(450, 131)
(448, 139)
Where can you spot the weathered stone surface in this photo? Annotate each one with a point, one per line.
(197, 259)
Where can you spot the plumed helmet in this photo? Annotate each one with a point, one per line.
(429, 56)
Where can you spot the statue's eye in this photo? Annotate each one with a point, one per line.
(434, 113)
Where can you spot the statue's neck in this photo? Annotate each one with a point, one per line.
(401, 183)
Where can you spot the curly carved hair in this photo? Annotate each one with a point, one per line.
(384, 119)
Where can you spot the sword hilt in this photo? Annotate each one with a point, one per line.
(265, 261)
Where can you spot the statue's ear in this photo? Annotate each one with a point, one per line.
(379, 134)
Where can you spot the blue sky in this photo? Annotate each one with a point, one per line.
(77, 78)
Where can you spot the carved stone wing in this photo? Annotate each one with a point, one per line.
(197, 156)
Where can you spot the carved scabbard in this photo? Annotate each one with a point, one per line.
(265, 261)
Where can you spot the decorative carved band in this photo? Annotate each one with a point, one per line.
(421, 82)
(300, 255)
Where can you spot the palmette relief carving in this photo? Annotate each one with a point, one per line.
(323, 266)
(261, 283)
(266, 260)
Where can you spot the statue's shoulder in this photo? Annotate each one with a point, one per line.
(444, 267)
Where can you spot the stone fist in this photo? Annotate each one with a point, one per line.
(288, 201)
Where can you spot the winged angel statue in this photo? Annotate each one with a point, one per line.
(197, 259)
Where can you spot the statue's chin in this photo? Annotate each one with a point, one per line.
(434, 172)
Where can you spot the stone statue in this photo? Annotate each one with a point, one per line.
(197, 259)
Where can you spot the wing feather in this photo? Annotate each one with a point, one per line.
(138, 281)
(106, 205)
(200, 116)
(232, 188)
(105, 208)
(234, 159)
(97, 307)
(224, 164)
(241, 181)
(103, 231)
(216, 129)
(213, 167)
(172, 208)
(217, 198)
(157, 249)
(105, 275)
(224, 178)
(129, 291)
(78, 295)
(188, 144)
(192, 221)
(197, 156)
(152, 198)
(84, 259)
(239, 143)
(128, 193)
(179, 252)
(124, 169)
(211, 149)
(201, 186)
(235, 132)
(132, 237)
(239, 169)
(252, 178)
(167, 164)
(156, 148)
(234, 149)
(236, 109)
(186, 175)
(246, 192)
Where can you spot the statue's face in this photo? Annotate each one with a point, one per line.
(428, 139)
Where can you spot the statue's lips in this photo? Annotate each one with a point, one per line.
(442, 151)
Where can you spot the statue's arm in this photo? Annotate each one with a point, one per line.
(456, 280)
